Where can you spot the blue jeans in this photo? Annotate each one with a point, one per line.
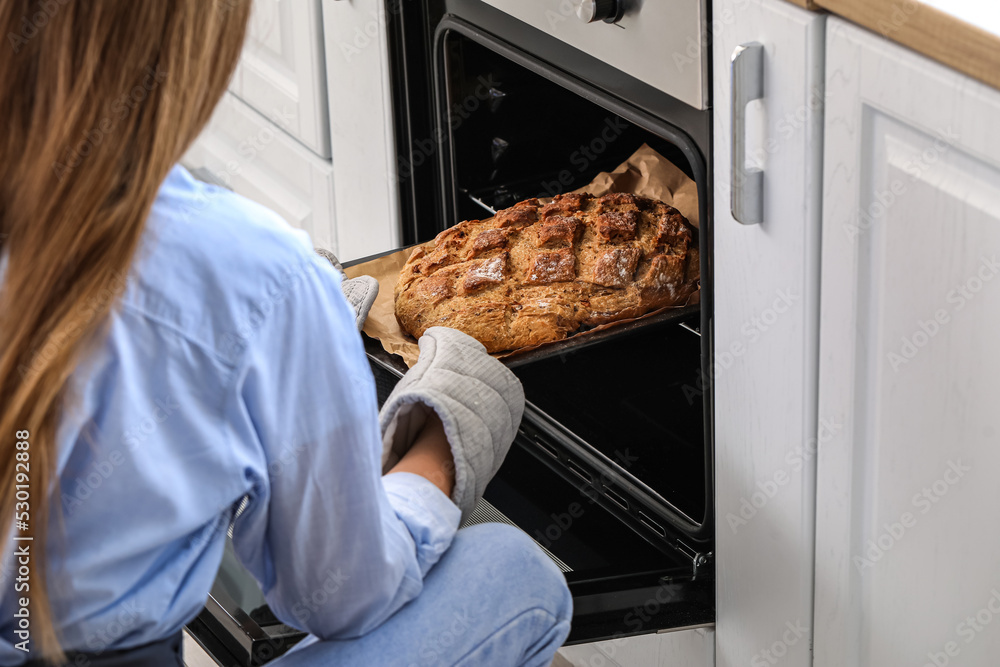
(493, 599)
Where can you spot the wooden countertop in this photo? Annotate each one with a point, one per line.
(965, 37)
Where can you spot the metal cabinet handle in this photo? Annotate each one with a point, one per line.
(746, 185)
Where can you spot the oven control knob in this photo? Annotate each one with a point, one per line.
(608, 11)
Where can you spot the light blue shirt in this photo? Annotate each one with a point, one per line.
(231, 367)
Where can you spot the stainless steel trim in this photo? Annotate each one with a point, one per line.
(663, 44)
(707, 626)
(746, 184)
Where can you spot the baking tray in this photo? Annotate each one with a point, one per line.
(577, 341)
(580, 341)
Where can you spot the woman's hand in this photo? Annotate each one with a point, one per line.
(430, 456)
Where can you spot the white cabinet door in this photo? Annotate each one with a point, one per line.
(766, 293)
(908, 544)
(361, 124)
(282, 72)
(252, 156)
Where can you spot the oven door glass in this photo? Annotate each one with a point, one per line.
(514, 127)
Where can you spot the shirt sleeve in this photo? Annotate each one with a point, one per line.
(336, 547)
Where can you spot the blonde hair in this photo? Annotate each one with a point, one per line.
(99, 99)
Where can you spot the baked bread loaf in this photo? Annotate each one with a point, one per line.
(536, 273)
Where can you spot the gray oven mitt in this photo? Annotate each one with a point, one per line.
(360, 291)
(479, 401)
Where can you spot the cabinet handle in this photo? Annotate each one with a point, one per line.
(746, 185)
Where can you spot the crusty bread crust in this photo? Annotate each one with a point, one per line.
(537, 273)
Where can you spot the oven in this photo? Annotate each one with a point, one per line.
(611, 472)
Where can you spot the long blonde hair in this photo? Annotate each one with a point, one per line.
(98, 99)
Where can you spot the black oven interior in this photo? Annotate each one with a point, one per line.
(516, 134)
(643, 410)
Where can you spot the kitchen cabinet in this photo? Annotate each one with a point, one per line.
(251, 155)
(362, 128)
(906, 543)
(313, 80)
(282, 71)
(766, 332)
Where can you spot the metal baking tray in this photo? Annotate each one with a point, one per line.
(578, 340)
(585, 339)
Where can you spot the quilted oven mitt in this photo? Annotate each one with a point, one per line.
(479, 400)
(360, 291)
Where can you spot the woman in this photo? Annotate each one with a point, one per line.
(169, 349)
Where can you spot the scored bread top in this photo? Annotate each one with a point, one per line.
(536, 272)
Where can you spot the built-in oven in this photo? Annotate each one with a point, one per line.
(497, 101)
(612, 469)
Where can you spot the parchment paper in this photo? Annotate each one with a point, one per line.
(645, 173)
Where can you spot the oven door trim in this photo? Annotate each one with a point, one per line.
(700, 531)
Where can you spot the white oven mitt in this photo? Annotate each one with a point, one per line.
(360, 291)
(479, 401)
